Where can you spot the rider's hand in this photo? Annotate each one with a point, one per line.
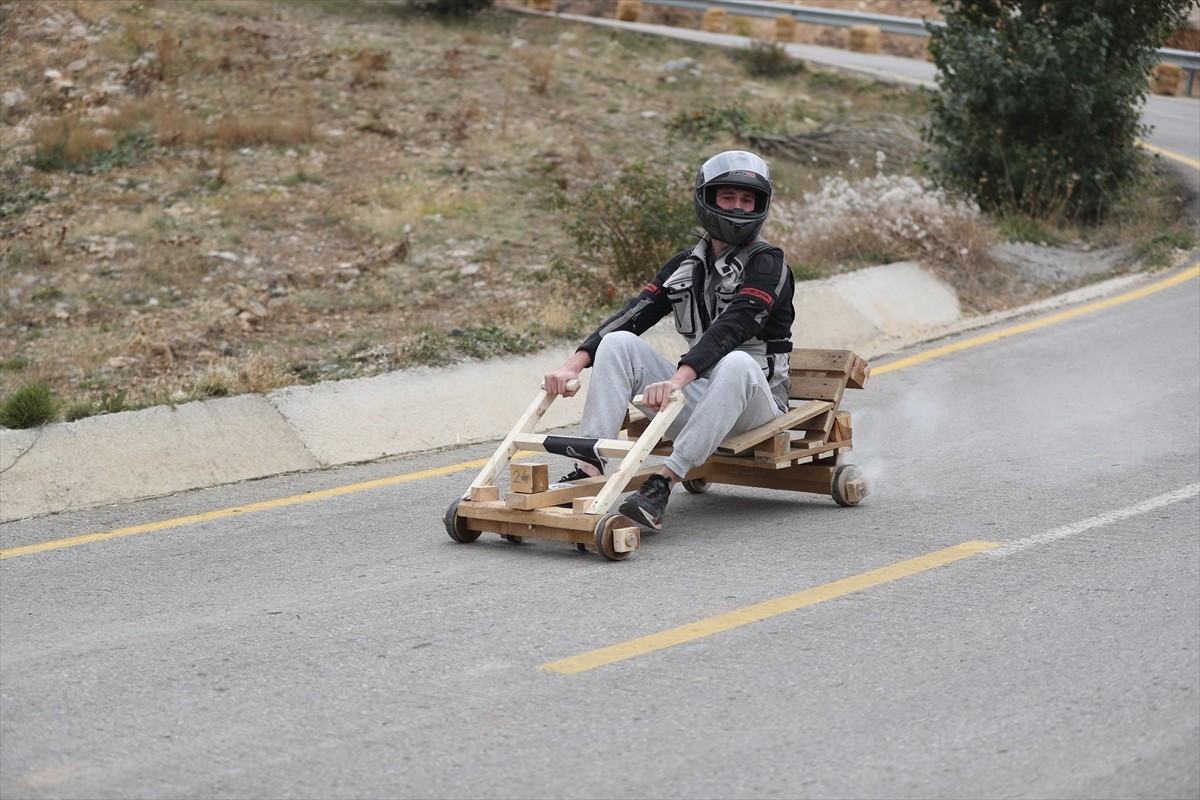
(556, 382)
(657, 395)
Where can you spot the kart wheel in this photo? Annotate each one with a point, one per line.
(514, 539)
(848, 485)
(698, 486)
(457, 527)
(605, 530)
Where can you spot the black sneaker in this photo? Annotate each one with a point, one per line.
(574, 475)
(647, 504)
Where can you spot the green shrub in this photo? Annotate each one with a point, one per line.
(1038, 109)
(32, 405)
(632, 224)
(764, 59)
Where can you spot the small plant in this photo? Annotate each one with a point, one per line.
(31, 406)
(215, 382)
(69, 143)
(709, 123)
(14, 201)
(262, 129)
(763, 59)
(15, 363)
(743, 26)
(366, 65)
(65, 143)
(80, 410)
(481, 342)
(1155, 252)
(453, 9)
(300, 178)
(1024, 228)
(113, 403)
(540, 64)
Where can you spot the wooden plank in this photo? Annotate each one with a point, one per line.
(605, 447)
(785, 480)
(813, 388)
(842, 430)
(805, 358)
(484, 516)
(786, 421)
(795, 457)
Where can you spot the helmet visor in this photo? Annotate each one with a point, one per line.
(735, 161)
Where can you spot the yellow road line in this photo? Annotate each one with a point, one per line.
(229, 512)
(764, 610)
(902, 363)
(1182, 159)
(1041, 322)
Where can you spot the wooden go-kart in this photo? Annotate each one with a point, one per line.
(800, 450)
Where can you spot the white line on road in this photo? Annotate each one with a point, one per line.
(1094, 522)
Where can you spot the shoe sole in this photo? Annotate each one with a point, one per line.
(639, 515)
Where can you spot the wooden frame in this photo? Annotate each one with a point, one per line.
(801, 450)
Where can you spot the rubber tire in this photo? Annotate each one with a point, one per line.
(698, 486)
(604, 536)
(842, 475)
(457, 528)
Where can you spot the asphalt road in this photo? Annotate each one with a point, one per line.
(320, 635)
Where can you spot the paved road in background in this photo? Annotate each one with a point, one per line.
(319, 635)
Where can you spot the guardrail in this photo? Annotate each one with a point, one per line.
(908, 26)
(1188, 60)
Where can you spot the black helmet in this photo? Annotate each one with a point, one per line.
(732, 168)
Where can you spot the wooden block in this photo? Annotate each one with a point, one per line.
(715, 20)
(629, 10)
(774, 449)
(860, 371)
(865, 39)
(1165, 79)
(626, 540)
(526, 478)
(579, 505)
(482, 494)
(842, 430)
(785, 28)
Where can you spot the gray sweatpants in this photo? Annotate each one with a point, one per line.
(733, 397)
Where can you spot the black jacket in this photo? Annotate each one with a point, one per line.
(742, 301)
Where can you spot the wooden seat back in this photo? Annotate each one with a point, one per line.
(824, 375)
